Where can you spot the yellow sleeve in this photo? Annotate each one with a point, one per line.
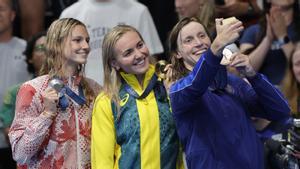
(103, 134)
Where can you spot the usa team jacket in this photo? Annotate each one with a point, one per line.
(212, 113)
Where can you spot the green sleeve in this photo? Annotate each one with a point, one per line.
(7, 111)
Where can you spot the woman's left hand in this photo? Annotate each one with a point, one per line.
(242, 63)
(167, 81)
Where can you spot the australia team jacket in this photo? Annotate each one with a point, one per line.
(142, 136)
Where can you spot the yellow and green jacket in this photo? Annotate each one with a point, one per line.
(143, 136)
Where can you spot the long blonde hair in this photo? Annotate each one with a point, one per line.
(290, 86)
(56, 37)
(112, 78)
(207, 16)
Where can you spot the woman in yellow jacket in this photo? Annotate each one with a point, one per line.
(132, 125)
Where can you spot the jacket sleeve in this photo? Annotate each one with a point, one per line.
(103, 134)
(264, 100)
(187, 90)
(30, 128)
(7, 110)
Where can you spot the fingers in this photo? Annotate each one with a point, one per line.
(218, 24)
(239, 60)
(218, 21)
(242, 64)
(169, 73)
(236, 26)
(50, 97)
(232, 28)
(50, 93)
(168, 67)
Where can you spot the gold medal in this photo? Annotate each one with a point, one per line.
(159, 69)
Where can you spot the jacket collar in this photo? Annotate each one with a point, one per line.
(133, 82)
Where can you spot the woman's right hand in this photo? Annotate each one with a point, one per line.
(226, 34)
(50, 98)
(269, 33)
(278, 23)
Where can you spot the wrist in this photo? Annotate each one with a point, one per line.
(247, 71)
(269, 39)
(282, 41)
(251, 74)
(281, 34)
(217, 48)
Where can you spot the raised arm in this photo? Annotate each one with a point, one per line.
(32, 124)
(262, 98)
(280, 29)
(258, 55)
(187, 89)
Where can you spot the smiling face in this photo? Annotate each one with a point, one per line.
(192, 42)
(76, 48)
(132, 55)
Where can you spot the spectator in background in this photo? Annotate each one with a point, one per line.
(164, 16)
(201, 9)
(291, 85)
(247, 11)
(12, 67)
(31, 17)
(101, 15)
(52, 130)
(188, 8)
(35, 53)
(207, 10)
(34, 16)
(35, 57)
(54, 8)
(271, 42)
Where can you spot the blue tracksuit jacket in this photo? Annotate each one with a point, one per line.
(212, 111)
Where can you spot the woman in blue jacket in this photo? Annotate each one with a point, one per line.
(212, 108)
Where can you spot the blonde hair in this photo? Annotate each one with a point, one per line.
(56, 37)
(290, 87)
(207, 16)
(112, 78)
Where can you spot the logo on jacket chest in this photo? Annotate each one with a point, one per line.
(124, 99)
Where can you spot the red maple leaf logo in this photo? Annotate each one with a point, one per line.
(68, 129)
(85, 129)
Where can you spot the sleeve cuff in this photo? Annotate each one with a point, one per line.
(212, 59)
(255, 78)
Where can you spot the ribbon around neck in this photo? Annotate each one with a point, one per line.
(63, 101)
(150, 86)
